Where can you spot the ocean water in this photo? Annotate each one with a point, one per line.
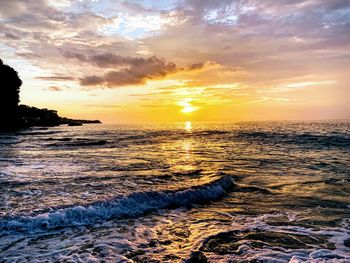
(243, 192)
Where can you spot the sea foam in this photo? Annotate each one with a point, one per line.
(132, 205)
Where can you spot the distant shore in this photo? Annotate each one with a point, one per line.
(28, 116)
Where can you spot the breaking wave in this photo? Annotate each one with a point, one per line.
(132, 205)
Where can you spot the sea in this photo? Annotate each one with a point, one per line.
(179, 192)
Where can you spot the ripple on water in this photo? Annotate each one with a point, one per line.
(290, 200)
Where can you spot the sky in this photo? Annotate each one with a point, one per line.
(130, 61)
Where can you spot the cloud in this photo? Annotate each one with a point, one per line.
(196, 66)
(109, 60)
(54, 88)
(256, 43)
(91, 81)
(130, 70)
(11, 36)
(56, 78)
(136, 70)
(309, 84)
(202, 65)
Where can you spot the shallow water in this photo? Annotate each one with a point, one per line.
(263, 192)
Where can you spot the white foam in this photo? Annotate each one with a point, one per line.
(129, 206)
(336, 236)
(4, 174)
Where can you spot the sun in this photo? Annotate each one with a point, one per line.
(186, 105)
(188, 109)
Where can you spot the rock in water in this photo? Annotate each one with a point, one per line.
(347, 242)
(75, 124)
(197, 257)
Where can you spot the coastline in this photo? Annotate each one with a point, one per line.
(28, 117)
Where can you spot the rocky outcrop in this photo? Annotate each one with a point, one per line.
(32, 116)
(197, 257)
(14, 117)
(74, 122)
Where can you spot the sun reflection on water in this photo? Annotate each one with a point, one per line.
(188, 126)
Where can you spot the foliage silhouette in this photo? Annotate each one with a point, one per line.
(14, 116)
(10, 84)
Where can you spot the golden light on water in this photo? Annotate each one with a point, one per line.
(188, 126)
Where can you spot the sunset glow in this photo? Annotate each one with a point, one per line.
(174, 131)
(187, 106)
(143, 61)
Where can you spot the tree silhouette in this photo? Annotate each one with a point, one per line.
(10, 84)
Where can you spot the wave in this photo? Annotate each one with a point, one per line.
(4, 174)
(37, 132)
(133, 205)
(66, 142)
(305, 139)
